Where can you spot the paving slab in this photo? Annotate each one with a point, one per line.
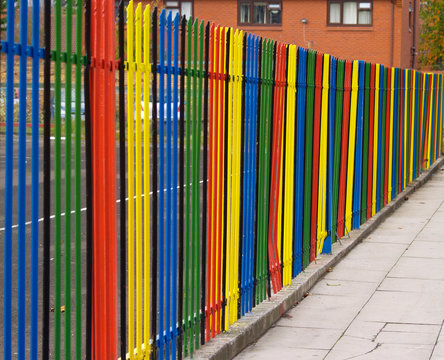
(344, 288)
(438, 351)
(261, 353)
(371, 257)
(300, 337)
(407, 210)
(428, 235)
(375, 252)
(384, 300)
(405, 223)
(323, 311)
(364, 329)
(432, 195)
(418, 268)
(351, 347)
(342, 272)
(393, 238)
(365, 350)
(438, 216)
(415, 328)
(412, 285)
(401, 307)
(408, 334)
(406, 234)
(426, 249)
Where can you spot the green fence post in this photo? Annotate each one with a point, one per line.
(365, 144)
(308, 157)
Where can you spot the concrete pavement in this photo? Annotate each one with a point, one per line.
(384, 300)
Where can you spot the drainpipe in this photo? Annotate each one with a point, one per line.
(393, 32)
(413, 49)
(304, 23)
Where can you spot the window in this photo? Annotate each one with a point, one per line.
(349, 13)
(252, 12)
(259, 13)
(410, 16)
(180, 6)
(335, 13)
(245, 16)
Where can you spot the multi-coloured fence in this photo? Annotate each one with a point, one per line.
(241, 159)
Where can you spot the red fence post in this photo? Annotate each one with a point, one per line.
(344, 145)
(316, 137)
(103, 65)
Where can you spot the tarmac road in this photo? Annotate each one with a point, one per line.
(28, 238)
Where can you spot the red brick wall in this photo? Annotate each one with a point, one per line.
(366, 43)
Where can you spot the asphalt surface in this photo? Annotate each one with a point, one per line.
(28, 240)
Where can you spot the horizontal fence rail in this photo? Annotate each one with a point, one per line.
(241, 159)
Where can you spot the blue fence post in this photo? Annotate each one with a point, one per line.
(35, 181)
(358, 151)
(21, 283)
(425, 113)
(378, 176)
(416, 123)
(253, 167)
(160, 238)
(175, 171)
(246, 250)
(401, 92)
(168, 229)
(9, 152)
(395, 133)
(300, 156)
(441, 114)
(425, 125)
(432, 120)
(247, 192)
(331, 133)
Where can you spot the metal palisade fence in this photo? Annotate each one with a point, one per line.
(179, 172)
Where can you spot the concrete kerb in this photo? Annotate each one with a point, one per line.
(253, 325)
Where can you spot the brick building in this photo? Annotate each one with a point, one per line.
(383, 31)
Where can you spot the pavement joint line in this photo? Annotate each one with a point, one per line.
(436, 341)
(253, 325)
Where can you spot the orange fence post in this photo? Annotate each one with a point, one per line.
(103, 65)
